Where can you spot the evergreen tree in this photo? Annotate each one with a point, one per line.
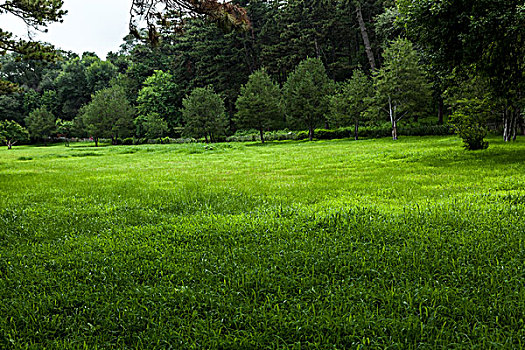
(37, 14)
(306, 95)
(259, 103)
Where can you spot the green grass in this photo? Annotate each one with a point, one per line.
(293, 245)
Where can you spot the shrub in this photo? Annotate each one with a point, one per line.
(128, 141)
(472, 132)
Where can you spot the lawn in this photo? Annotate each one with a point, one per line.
(294, 245)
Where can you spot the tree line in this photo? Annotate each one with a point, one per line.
(299, 64)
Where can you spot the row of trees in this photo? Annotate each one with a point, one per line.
(460, 63)
(308, 99)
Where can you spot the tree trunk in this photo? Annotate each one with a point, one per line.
(356, 130)
(262, 135)
(515, 123)
(317, 51)
(440, 111)
(393, 121)
(310, 133)
(510, 120)
(364, 34)
(206, 138)
(505, 125)
(96, 141)
(394, 130)
(9, 145)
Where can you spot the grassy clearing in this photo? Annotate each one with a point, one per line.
(331, 245)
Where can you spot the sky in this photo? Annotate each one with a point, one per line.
(90, 25)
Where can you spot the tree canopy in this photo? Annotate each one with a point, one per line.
(306, 95)
(259, 104)
(36, 14)
(109, 114)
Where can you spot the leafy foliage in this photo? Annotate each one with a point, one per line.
(41, 124)
(259, 104)
(487, 36)
(306, 94)
(109, 114)
(348, 105)
(401, 88)
(160, 97)
(203, 113)
(11, 132)
(151, 126)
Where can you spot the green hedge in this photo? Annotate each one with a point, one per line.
(374, 132)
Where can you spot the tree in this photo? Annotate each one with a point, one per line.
(41, 124)
(348, 105)
(259, 103)
(37, 15)
(203, 112)
(109, 114)
(160, 97)
(78, 79)
(159, 13)
(64, 129)
(11, 132)
(11, 106)
(99, 74)
(306, 94)
(471, 104)
(364, 35)
(400, 85)
(487, 35)
(151, 126)
(469, 121)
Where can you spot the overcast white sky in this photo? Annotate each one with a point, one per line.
(90, 25)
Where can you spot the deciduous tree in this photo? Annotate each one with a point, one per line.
(400, 85)
(160, 96)
(203, 112)
(348, 105)
(109, 114)
(306, 95)
(259, 104)
(41, 124)
(487, 35)
(11, 132)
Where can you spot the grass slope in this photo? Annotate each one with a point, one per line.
(330, 245)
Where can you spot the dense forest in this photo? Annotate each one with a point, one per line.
(299, 65)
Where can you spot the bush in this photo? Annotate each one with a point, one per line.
(139, 141)
(374, 132)
(426, 130)
(162, 140)
(472, 132)
(128, 141)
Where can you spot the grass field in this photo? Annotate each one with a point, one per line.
(329, 245)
